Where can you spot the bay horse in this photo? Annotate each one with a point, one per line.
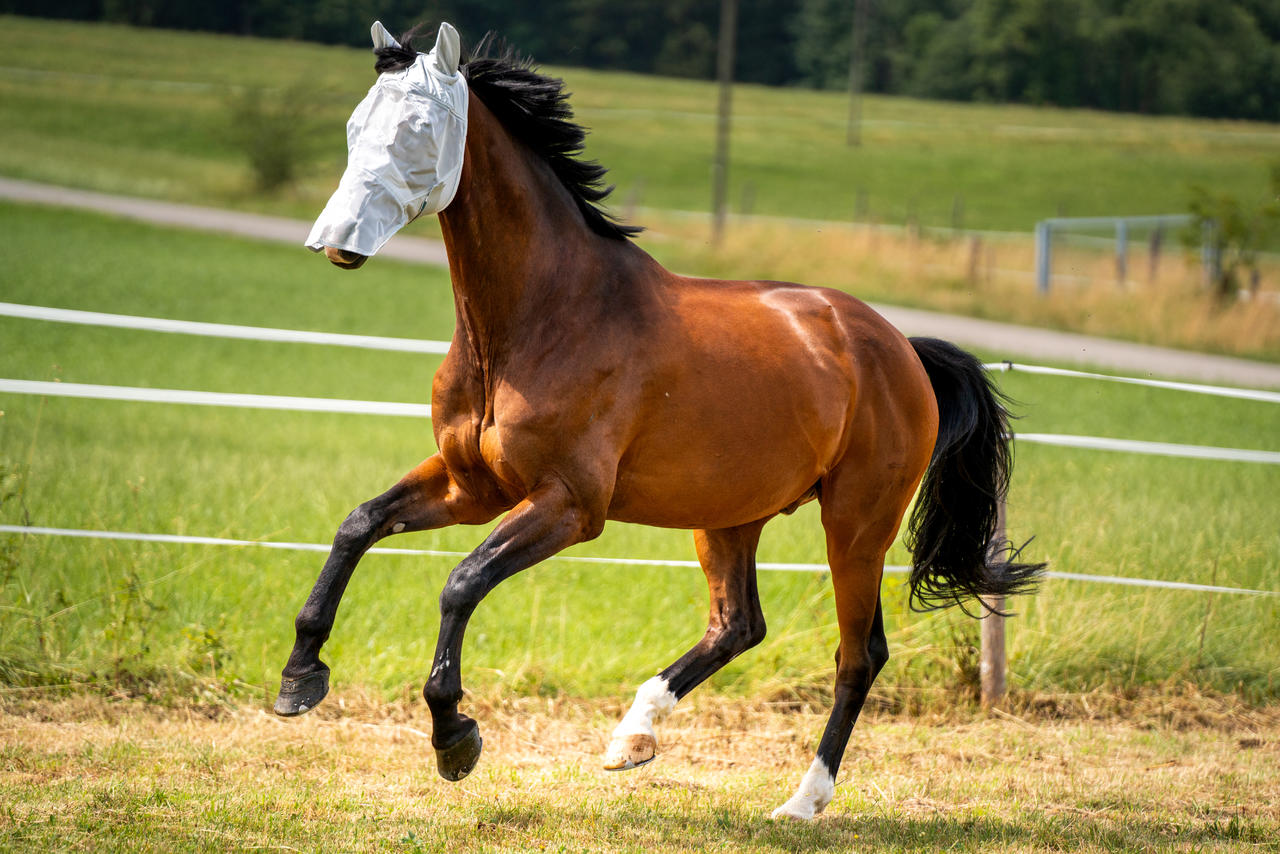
(585, 383)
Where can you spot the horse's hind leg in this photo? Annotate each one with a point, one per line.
(424, 498)
(854, 674)
(855, 550)
(735, 624)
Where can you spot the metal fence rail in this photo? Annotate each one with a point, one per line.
(1046, 228)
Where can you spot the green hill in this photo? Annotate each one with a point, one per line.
(147, 112)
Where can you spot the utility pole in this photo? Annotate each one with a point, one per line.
(857, 59)
(724, 73)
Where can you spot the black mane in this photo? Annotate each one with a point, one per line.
(535, 109)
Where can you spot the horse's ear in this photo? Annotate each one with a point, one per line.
(448, 49)
(382, 38)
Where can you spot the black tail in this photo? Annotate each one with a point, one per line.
(953, 525)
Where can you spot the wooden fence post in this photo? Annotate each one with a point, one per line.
(993, 664)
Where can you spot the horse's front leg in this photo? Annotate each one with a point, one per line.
(549, 520)
(425, 498)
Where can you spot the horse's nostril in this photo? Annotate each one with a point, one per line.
(342, 258)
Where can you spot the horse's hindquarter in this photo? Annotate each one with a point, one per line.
(749, 401)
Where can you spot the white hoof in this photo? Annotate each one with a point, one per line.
(630, 751)
(633, 743)
(801, 812)
(816, 791)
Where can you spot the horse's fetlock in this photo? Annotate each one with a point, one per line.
(440, 695)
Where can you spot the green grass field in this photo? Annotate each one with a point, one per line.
(146, 113)
(82, 610)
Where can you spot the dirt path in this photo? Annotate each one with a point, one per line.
(1004, 339)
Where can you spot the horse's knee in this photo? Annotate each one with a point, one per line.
(735, 638)
(357, 529)
(462, 592)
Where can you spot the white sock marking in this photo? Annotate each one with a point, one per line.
(653, 700)
(816, 791)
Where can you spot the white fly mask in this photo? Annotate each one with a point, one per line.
(405, 144)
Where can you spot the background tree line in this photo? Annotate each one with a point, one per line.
(1217, 58)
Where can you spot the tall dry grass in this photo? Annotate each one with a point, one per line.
(1165, 303)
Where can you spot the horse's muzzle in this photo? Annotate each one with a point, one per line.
(344, 259)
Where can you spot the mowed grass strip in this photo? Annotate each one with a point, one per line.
(92, 774)
(78, 609)
(158, 104)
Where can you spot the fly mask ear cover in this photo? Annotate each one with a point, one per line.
(405, 144)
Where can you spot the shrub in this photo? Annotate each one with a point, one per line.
(1235, 231)
(274, 129)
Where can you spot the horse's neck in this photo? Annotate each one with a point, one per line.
(519, 250)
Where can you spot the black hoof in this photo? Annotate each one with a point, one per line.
(457, 760)
(302, 694)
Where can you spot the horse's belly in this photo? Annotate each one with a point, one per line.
(689, 486)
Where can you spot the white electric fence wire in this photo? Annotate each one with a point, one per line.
(1159, 449)
(221, 330)
(214, 398)
(381, 407)
(178, 539)
(175, 539)
(1199, 388)
(413, 345)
